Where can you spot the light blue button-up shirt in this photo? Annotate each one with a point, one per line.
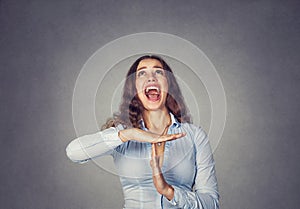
(188, 166)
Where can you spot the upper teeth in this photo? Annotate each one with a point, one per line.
(152, 88)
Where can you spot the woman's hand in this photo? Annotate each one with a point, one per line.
(146, 136)
(158, 179)
(157, 156)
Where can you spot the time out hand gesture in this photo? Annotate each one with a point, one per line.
(157, 155)
(156, 163)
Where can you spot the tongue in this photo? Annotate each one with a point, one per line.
(153, 97)
(152, 91)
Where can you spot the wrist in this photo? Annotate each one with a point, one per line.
(122, 135)
(169, 192)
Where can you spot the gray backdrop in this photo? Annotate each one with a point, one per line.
(254, 46)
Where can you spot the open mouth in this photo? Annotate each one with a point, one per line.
(152, 93)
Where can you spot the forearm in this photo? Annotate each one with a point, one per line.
(130, 134)
(192, 200)
(93, 145)
(168, 192)
(162, 186)
(206, 194)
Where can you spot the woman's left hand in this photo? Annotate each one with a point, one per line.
(158, 179)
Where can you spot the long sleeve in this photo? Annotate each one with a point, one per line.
(205, 194)
(90, 146)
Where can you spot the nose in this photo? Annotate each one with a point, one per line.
(152, 78)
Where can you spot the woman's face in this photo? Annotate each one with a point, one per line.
(151, 84)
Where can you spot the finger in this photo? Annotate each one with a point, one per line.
(175, 136)
(169, 137)
(155, 166)
(153, 149)
(155, 157)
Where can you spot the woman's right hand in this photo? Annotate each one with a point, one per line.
(146, 136)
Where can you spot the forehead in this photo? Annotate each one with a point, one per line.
(149, 63)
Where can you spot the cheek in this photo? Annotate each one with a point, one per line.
(165, 85)
(138, 86)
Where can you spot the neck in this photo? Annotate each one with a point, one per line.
(156, 121)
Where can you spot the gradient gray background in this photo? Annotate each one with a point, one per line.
(254, 46)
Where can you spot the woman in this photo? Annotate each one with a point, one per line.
(163, 160)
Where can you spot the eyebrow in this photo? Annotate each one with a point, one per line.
(141, 68)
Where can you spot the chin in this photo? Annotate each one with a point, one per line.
(153, 106)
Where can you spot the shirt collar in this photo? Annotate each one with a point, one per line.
(174, 122)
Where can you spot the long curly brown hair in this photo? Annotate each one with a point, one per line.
(131, 108)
